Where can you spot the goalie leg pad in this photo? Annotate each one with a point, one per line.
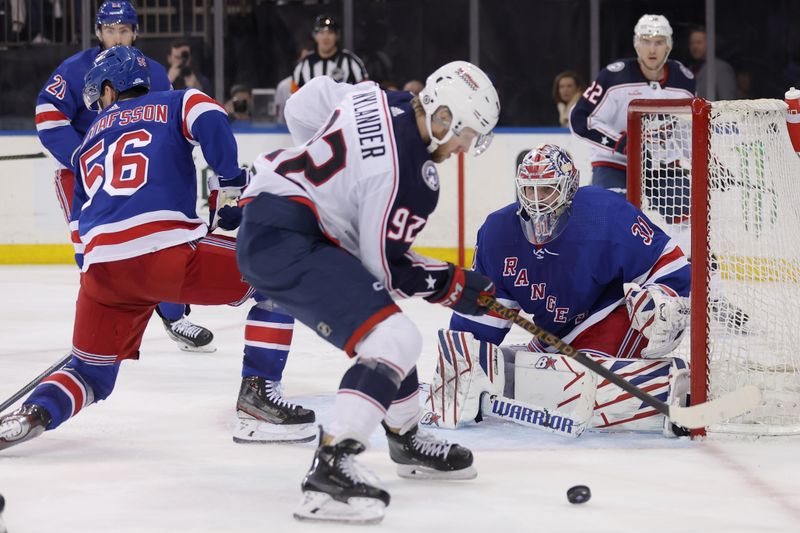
(466, 368)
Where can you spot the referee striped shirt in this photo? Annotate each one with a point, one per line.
(343, 66)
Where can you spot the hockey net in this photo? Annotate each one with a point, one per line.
(723, 180)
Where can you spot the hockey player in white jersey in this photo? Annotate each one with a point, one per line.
(327, 234)
(600, 116)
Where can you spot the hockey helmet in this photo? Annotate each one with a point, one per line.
(116, 13)
(124, 67)
(547, 181)
(652, 26)
(471, 98)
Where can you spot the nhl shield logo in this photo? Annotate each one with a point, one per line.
(324, 329)
(430, 175)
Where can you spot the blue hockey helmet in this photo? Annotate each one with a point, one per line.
(124, 67)
(116, 13)
(547, 181)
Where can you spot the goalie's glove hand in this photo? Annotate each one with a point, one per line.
(621, 146)
(223, 200)
(659, 316)
(461, 291)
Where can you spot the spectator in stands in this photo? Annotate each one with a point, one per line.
(725, 88)
(413, 86)
(567, 89)
(328, 59)
(240, 104)
(181, 73)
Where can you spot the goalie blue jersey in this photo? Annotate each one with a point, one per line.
(136, 184)
(574, 281)
(62, 119)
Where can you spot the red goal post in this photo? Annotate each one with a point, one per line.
(722, 179)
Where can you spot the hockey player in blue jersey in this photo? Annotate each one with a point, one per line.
(327, 233)
(134, 222)
(584, 263)
(600, 116)
(62, 120)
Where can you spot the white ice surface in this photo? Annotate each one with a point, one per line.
(157, 456)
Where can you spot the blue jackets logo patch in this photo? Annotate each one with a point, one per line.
(430, 175)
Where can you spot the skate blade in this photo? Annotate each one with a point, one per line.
(252, 431)
(422, 472)
(320, 507)
(208, 348)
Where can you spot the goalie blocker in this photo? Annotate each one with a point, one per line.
(547, 392)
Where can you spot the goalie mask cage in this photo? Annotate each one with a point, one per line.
(723, 180)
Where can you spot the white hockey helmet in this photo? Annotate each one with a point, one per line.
(652, 26)
(471, 98)
(547, 181)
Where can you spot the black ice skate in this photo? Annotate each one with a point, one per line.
(264, 415)
(26, 423)
(732, 317)
(420, 455)
(190, 337)
(338, 489)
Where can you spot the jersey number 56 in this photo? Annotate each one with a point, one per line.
(118, 171)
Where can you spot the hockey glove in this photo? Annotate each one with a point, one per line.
(461, 291)
(223, 200)
(659, 316)
(621, 146)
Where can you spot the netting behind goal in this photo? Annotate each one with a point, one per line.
(723, 180)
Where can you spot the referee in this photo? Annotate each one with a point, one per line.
(328, 59)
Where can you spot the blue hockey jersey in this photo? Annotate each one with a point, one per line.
(61, 116)
(601, 115)
(576, 280)
(136, 185)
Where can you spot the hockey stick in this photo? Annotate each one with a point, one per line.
(694, 417)
(37, 155)
(38, 379)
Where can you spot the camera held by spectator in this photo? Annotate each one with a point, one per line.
(239, 106)
(180, 73)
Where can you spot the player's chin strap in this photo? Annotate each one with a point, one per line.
(434, 142)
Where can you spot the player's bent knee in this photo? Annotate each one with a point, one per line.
(395, 341)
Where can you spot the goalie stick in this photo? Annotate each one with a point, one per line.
(38, 379)
(37, 155)
(694, 417)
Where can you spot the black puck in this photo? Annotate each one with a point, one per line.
(2, 503)
(579, 494)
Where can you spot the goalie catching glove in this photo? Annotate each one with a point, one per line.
(659, 314)
(461, 291)
(223, 200)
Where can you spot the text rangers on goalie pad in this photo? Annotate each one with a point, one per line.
(587, 266)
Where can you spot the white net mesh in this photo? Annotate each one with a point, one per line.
(753, 244)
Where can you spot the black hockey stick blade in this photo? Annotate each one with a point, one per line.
(697, 416)
(37, 155)
(30, 386)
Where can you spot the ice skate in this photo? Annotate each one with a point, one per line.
(729, 315)
(338, 489)
(190, 337)
(264, 415)
(420, 455)
(26, 423)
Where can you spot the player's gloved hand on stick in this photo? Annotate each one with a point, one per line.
(461, 291)
(621, 145)
(223, 200)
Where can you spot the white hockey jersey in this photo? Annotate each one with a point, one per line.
(365, 172)
(601, 115)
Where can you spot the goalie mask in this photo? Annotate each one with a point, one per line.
(471, 98)
(650, 26)
(547, 181)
